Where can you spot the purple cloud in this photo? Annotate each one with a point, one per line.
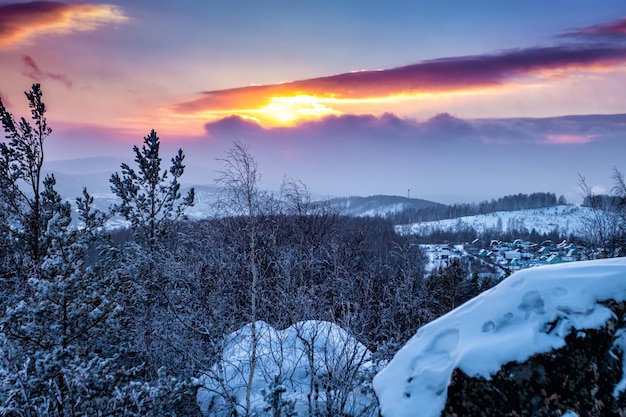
(35, 73)
(232, 125)
(616, 28)
(438, 75)
(443, 128)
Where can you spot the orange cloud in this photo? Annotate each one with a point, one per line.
(21, 22)
(314, 98)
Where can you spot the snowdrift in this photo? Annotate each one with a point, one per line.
(531, 312)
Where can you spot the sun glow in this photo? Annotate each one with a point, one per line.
(289, 110)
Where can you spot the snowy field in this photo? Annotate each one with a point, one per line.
(509, 322)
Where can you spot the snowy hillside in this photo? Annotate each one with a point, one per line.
(529, 313)
(203, 207)
(568, 219)
(207, 196)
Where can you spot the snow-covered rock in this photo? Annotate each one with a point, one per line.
(316, 366)
(561, 323)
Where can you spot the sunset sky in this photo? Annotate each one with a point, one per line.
(457, 101)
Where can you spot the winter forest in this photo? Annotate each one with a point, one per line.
(278, 306)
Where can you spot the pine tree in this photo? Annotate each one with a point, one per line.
(23, 222)
(149, 202)
(61, 328)
(63, 346)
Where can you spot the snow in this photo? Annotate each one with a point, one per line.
(568, 219)
(384, 210)
(440, 255)
(304, 353)
(506, 323)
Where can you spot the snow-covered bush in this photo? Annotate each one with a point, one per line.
(319, 367)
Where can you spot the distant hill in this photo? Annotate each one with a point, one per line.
(378, 205)
(80, 166)
(94, 173)
(73, 175)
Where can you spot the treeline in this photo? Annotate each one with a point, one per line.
(122, 323)
(468, 234)
(604, 202)
(506, 203)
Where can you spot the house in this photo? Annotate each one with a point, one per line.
(512, 254)
(518, 243)
(553, 259)
(562, 245)
(515, 264)
(571, 255)
(543, 251)
(527, 256)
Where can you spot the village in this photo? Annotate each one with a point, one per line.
(512, 256)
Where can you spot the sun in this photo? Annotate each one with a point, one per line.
(293, 109)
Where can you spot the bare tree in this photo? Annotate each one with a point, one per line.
(603, 227)
(240, 178)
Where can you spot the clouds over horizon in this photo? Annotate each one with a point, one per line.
(314, 98)
(388, 154)
(22, 22)
(442, 128)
